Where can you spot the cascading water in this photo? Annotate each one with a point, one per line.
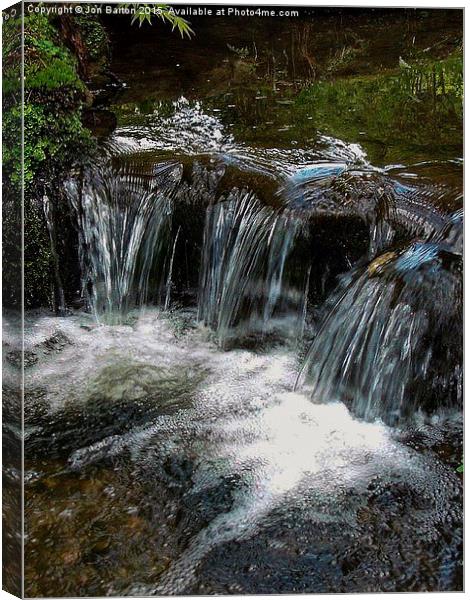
(205, 134)
(124, 227)
(391, 207)
(242, 471)
(370, 349)
(390, 345)
(252, 382)
(243, 283)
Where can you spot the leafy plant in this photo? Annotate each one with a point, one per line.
(240, 52)
(416, 105)
(54, 95)
(95, 37)
(146, 12)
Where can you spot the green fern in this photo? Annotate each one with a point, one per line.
(146, 12)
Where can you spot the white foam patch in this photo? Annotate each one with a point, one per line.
(244, 421)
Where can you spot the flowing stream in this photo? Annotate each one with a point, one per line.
(262, 431)
(259, 389)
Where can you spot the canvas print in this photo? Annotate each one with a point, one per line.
(232, 291)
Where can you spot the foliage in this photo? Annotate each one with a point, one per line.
(342, 58)
(419, 104)
(460, 468)
(240, 52)
(146, 12)
(54, 95)
(94, 36)
(58, 73)
(53, 139)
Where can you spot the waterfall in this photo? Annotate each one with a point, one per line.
(170, 272)
(390, 345)
(393, 208)
(390, 342)
(243, 281)
(124, 219)
(51, 228)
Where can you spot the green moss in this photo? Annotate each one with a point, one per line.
(54, 137)
(54, 93)
(58, 73)
(51, 140)
(51, 143)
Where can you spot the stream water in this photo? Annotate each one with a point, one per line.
(262, 391)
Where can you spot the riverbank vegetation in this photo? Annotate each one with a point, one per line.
(54, 97)
(57, 59)
(418, 104)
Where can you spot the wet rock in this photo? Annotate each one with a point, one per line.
(443, 439)
(376, 552)
(100, 121)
